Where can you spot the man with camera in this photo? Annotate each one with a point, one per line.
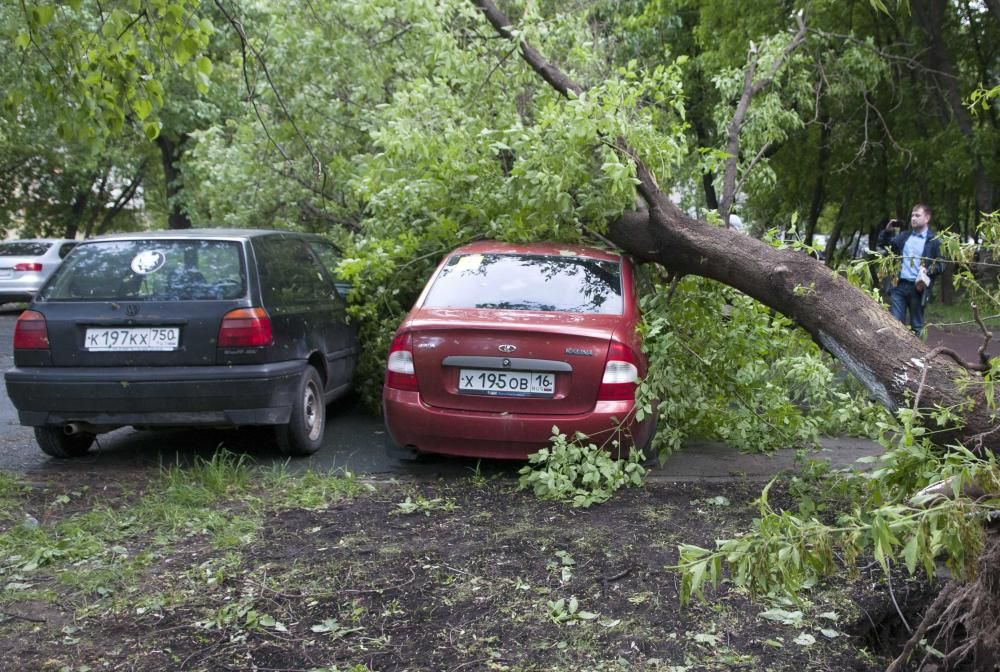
(921, 252)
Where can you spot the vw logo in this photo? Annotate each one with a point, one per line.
(506, 347)
(132, 310)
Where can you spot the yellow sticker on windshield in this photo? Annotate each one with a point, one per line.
(469, 262)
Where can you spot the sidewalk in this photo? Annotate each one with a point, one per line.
(716, 462)
(965, 343)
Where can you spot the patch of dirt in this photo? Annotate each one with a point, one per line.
(477, 577)
(965, 343)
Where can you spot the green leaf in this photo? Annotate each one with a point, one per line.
(782, 616)
(183, 52)
(329, 625)
(142, 108)
(204, 65)
(805, 639)
(42, 15)
(910, 553)
(151, 129)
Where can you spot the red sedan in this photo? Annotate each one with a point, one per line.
(507, 341)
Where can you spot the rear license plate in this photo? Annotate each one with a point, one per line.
(507, 383)
(132, 338)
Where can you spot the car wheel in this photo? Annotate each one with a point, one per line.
(648, 443)
(303, 435)
(57, 443)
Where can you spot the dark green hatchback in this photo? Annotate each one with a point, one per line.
(202, 327)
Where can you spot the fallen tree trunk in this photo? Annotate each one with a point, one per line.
(897, 368)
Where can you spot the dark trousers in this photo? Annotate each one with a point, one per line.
(905, 297)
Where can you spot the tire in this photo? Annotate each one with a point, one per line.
(303, 435)
(648, 443)
(57, 443)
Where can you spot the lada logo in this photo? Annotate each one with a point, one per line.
(506, 347)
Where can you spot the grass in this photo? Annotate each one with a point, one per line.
(107, 550)
(958, 315)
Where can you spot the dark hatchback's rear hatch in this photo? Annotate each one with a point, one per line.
(142, 302)
(516, 332)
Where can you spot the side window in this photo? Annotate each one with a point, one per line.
(290, 272)
(328, 254)
(65, 248)
(330, 257)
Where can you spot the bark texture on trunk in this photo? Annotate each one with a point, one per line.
(170, 154)
(882, 353)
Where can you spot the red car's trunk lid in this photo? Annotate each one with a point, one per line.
(457, 353)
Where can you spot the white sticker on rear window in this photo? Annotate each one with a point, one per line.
(147, 262)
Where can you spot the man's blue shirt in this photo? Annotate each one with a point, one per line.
(913, 252)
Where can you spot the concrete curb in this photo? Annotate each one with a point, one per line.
(708, 461)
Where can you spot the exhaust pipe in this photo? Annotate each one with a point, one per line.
(71, 428)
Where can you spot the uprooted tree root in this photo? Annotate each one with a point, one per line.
(963, 622)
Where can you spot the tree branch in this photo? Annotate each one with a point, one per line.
(750, 89)
(245, 46)
(538, 63)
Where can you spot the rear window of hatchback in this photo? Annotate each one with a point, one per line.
(23, 249)
(150, 270)
(548, 283)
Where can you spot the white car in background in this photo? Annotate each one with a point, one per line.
(25, 265)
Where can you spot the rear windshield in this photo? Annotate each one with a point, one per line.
(23, 249)
(150, 270)
(528, 282)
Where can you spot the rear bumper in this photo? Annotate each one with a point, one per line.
(155, 397)
(410, 423)
(13, 296)
(20, 289)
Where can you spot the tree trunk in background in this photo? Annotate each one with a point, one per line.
(994, 6)
(77, 209)
(946, 285)
(170, 154)
(819, 190)
(707, 178)
(882, 353)
(930, 17)
(838, 224)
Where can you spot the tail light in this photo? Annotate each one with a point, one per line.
(399, 372)
(30, 332)
(245, 328)
(621, 375)
(33, 266)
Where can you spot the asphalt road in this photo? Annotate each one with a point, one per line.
(354, 442)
